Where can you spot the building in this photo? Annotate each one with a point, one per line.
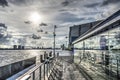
(77, 30)
(99, 48)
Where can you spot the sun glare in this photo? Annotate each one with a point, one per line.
(35, 17)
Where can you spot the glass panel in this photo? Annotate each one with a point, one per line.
(78, 54)
(114, 51)
(100, 54)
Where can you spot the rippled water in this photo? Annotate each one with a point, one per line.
(11, 56)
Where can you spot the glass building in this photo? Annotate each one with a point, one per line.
(98, 50)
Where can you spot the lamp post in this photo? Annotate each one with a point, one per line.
(54, 34)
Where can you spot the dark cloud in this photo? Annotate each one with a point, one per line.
(43, 24)
(27, 22)
(34, 36)
(65, 10)
(62, 10)
(92, 5)
(92, 13)
(20, 2)
(68, 17)
(3, 3)
(90, 18)
(106, 2)
(65, 3)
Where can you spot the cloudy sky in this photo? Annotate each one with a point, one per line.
(25, 16)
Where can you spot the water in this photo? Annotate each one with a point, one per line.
(12, 56)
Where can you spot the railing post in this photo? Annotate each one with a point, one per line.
(50, 54)
(41, 59)
(57, 54)
(44, 71)
(33, 78)
(40, 73)
(47, 63)
(44, 64)
(44, 55)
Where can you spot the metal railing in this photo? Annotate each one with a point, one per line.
(40, 71)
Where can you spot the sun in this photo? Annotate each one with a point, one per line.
(35, 17)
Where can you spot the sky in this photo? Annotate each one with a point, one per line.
(23, 18)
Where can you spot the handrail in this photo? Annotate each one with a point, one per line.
(31, 73)
(15, 68)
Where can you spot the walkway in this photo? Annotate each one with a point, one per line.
(63, 68)
(66, 69)
(73, 71)
(70, 72)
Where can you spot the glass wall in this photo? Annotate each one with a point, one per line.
(101, 53)
(78, 51)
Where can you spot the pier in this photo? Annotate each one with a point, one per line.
(59, 40)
